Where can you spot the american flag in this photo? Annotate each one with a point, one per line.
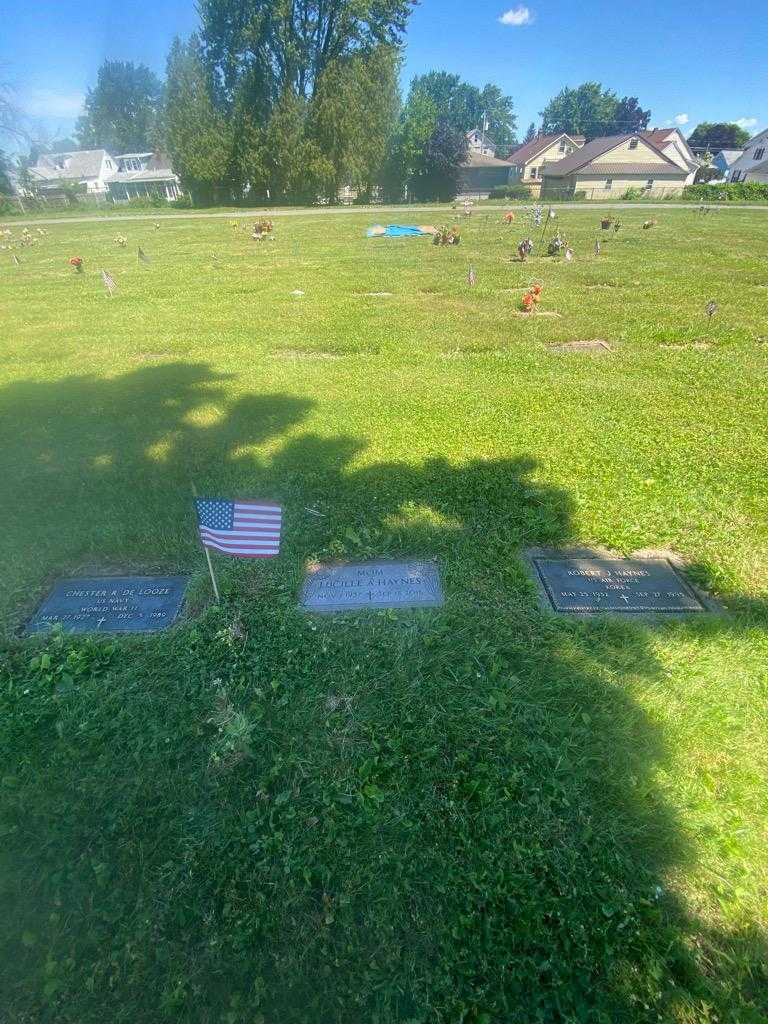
(472, 277)
(142, 256)
(250, 529)
(108, 281)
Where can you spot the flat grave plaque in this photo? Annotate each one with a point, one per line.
(111, 604)
(378, 584)
(615, 585)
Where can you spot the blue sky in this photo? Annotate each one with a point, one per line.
(690, 64)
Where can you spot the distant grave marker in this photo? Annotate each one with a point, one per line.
(380, 584)
(575, 584)
(111, 604)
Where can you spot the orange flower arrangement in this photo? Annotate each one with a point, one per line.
(76, 262)
(532, 298)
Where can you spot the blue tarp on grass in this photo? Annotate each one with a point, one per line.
(395, 230)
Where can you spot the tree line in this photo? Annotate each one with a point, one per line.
(292, 102)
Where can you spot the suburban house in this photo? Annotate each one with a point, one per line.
(142, 174)
(674, 145)
(752, 165)
(725, 159)
(122, 177)
(528, 161)
(88, 167)
(482, 170)
(608, 167)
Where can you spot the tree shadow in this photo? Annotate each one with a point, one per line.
(445, 815)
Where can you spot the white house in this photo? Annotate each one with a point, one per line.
(142, 174)
(120, 177)
(480, 144)
(89, 167)
(752, 165)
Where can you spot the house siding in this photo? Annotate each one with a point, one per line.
(593, 185)
(521, 173)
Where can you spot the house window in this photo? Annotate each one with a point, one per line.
(633, 143)
(608, 184)
(532, 173)
(563, 146)
(759, 153)
(649, 184)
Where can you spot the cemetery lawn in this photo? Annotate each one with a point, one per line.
(479, 813)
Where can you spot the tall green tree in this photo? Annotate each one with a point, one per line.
(198, 137)
(352, 117)
(271, 46)
(463, 106)
(121, 111)
(591, 111)
(324, 70)
(718, 135)
(530, 135)
(629, 116)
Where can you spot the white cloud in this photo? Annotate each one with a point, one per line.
(681, 119)
(517, 16)
(746, 122)
(49, 103)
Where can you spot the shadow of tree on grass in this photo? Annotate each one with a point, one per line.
(446, 815)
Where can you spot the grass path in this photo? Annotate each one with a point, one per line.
(478, 813)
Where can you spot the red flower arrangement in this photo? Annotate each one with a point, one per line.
(532, 297)
(76, 262)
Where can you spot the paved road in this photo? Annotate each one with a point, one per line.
(376, 211)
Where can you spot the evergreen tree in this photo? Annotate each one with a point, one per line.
(530, 135)
(198, 137)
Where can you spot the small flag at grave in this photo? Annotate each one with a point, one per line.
(246, 529)
(711, 309)
(16, 260)
(597, 247)
(108, 281)
(472, 277)
(143, 258)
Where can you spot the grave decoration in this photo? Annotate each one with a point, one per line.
(262, 229)
(76, 262)
(109, 282)
(557, 245)
(531, 298)
(711, 309)
(447, 236)
(524, 249)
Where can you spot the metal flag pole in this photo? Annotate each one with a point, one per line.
(207, 553)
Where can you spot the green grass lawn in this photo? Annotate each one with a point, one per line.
(479, 813)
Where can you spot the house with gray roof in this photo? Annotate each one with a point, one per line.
(724, 160)
(752, 165)
(88, 167)
(608, 167)
(118, 177)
